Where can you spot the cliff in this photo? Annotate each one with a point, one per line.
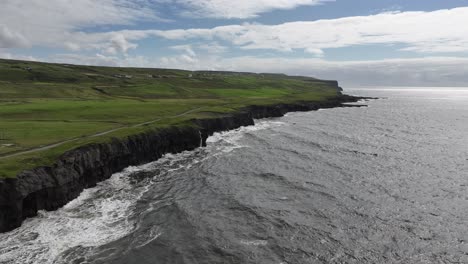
(49, 188)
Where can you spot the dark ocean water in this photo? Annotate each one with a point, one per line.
(383, 184)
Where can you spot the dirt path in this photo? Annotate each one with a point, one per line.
(94, 135)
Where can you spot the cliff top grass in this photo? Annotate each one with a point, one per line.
(47, 109)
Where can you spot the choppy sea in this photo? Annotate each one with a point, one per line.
(387, 183)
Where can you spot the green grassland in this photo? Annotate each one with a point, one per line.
(44, 104)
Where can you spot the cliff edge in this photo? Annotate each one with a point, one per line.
(51, 187)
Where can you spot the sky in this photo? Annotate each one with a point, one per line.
(358, 42)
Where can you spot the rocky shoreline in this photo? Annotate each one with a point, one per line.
(49, 188)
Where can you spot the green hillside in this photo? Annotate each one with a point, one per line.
(67, 106)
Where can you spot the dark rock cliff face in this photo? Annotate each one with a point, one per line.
(49, 188)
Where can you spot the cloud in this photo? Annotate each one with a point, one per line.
(213, 48)
(185, 48)
(240, 9)
(118, 43)
(60, 23)
(66, 24)
(424, 32)
(183, 59)
(63, 24)
(9, 39)
(10, 56)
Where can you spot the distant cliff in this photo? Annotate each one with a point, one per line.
(49, 188)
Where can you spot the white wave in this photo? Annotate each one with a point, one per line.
(233, 136)
(254, 242)
(101, 215)
(147, 238)
(95, 218)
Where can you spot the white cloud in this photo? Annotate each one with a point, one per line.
(58, 23)
(240, 8)
(315, 51)
(423, 32)
(10, 56)
(185, 48)
(184, 59)
(213, 48)
(430, 32)
(9, 39)
(118, 43)
(63, 23)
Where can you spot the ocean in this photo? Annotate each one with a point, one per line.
(387, 183)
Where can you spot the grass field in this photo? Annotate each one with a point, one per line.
(44, 104)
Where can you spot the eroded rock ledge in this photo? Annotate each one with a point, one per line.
(51, 187)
